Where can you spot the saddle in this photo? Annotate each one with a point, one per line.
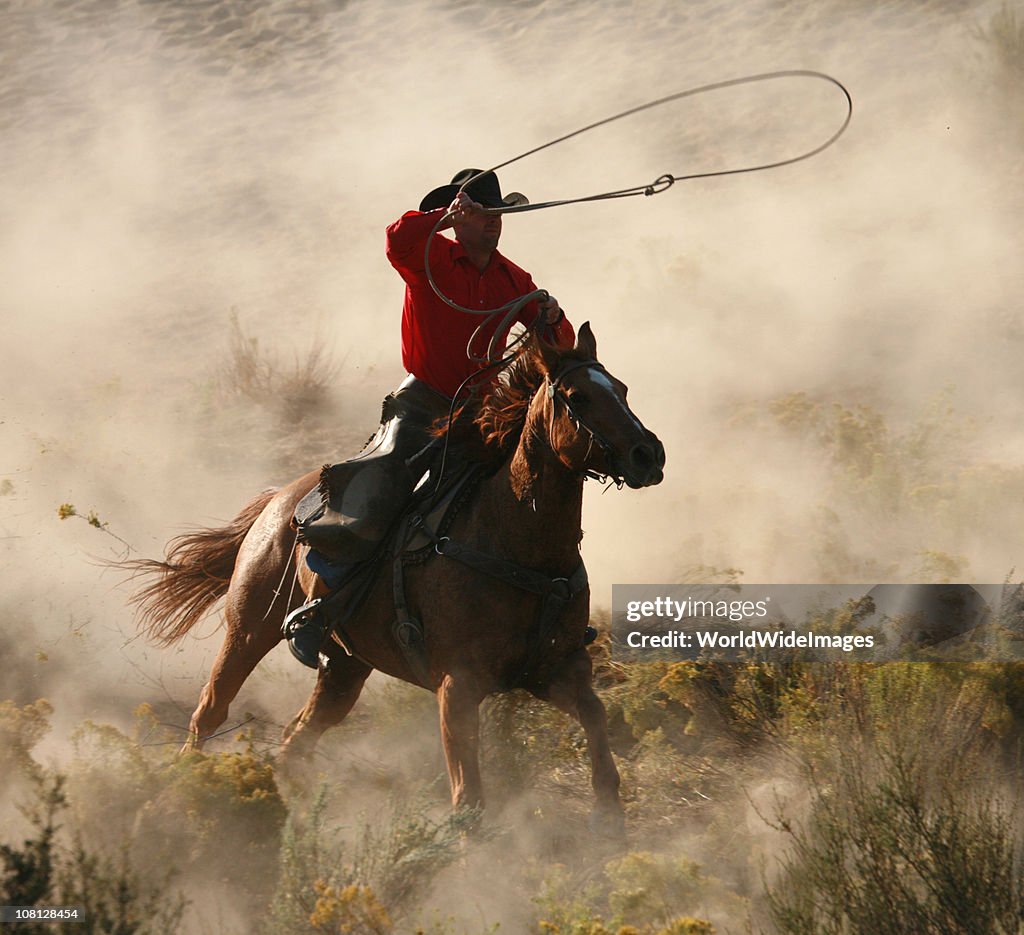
(410, 540)
(421, 533)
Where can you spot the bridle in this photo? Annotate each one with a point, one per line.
(558, 395)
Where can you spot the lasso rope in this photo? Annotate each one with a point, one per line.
(664, 182)
(509, 312)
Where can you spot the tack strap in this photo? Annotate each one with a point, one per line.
(556, 592)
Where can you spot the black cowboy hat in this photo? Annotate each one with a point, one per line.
(484, 190)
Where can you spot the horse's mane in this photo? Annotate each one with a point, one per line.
(490, 423)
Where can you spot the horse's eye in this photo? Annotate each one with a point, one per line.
(578, 398)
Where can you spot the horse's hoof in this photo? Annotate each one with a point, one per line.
(608, 823)
(294, 775)
(469, 819)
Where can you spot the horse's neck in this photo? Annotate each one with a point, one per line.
(542, 531)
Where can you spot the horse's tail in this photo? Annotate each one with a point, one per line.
(193, 577)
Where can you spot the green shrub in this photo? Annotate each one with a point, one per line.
(112, 898)
(640, 893)
(908, 827)
(652, 888)
(115, 898)
(380, 875)
(347, 910)
(28, 873)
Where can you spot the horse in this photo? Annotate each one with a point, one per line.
(556, 417)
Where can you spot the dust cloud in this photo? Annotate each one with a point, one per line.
(169, 168)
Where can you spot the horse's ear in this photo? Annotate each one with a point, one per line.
(586, 342)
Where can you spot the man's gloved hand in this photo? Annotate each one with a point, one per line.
(551, 311)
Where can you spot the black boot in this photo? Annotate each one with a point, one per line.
(306, 629)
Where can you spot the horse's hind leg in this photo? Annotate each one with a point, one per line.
(239, 655)
(253, 610)
(338, 686)
(254, 607)
(572, 691)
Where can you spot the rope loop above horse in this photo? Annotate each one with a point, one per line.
(509, 312)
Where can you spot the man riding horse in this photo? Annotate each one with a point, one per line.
(359, 500)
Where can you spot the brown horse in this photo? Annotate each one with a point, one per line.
(558, 417)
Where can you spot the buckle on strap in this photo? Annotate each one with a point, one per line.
(560, 589)
(564, 589)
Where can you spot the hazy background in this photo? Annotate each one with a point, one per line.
(169, 168)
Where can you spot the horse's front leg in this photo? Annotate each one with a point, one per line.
(337, 689)
(572, 691)
(459, 700)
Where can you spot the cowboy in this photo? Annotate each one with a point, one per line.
(469, 270)
(359, 499)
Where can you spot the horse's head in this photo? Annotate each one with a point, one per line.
(582, 410)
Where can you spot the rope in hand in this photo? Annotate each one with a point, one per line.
(510, 311)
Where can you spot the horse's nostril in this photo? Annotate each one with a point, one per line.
(646, 461)
(642, 457)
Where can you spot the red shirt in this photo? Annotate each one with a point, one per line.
(434, 335)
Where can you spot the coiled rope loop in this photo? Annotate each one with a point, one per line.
(510, 311)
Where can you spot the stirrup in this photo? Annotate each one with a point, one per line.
(305, 629)
(301, 617)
